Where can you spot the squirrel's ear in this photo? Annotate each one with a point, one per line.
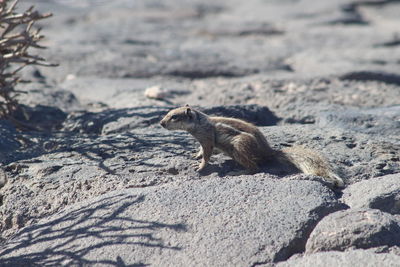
(189, 113)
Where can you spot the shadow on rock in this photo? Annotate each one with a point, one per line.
(135, 149)
(71, 236)
(114, 121)
(39, 118)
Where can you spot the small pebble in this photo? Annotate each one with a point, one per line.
(156, 92)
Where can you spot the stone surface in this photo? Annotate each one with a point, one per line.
(3, 178)
(201, 39)
(218, 221)
(8, 141)
(56, 170)
(383, 121)
(355, 156)
(354, 228)
(345, 259)
(381, 193)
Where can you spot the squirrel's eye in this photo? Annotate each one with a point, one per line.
(174, 117)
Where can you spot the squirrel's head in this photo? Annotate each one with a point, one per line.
(182, 118)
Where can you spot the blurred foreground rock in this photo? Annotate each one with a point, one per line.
(355, 228)
(345, 259)
(381, 193)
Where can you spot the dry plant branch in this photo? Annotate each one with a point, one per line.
(17, 37)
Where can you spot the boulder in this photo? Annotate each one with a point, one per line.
(241, 221)
(381, 193)
(343, 259)
(354, 228)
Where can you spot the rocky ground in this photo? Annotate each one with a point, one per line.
(99, 183)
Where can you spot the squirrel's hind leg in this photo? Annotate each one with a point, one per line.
(245, 151)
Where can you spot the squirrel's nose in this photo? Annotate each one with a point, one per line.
(162, 123)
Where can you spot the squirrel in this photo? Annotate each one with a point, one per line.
(243, 142)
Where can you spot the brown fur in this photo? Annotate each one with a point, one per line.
(243, 142)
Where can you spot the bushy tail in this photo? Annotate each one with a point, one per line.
(309, 162)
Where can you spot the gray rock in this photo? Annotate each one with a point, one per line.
(354, 156)
(305, 101)
(354, 228)
(239, 221)
(47, 95)
(52, 172)
(59, 170)
(95, 92)
(115, 120)
(384, 121)
(55, 171)
(345, 259)
(8, 142)
(381, 193)
(3, 178)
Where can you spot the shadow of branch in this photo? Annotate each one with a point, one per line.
(80, 236)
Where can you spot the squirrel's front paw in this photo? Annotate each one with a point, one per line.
(201, 167)
(195, 166)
